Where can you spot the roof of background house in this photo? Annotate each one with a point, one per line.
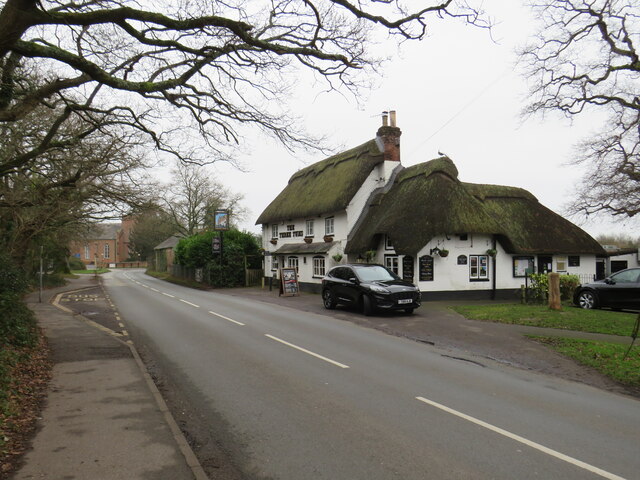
(428, 200)
(324, 187)
(104, 231)
(170, 242)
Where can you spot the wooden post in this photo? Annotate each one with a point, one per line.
(554, 291)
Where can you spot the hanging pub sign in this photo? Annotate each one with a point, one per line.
(221, 220)
(289, 282)
(216, 245)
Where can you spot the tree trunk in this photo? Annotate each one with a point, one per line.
(554, 292)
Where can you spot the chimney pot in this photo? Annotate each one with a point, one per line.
(393, 118)
(385, 118)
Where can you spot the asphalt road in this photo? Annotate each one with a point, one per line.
(296, 395)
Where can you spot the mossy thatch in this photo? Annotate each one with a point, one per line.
(427, 200)
(324, 187)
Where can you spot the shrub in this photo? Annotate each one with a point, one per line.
(568, 285)
(76, 264)
(539, 287)
(228, 271)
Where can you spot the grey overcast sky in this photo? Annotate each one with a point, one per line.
(457, 91)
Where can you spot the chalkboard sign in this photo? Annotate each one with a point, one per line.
(289, 282)
(407, 268)
(426, 268)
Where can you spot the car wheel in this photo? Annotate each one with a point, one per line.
(367, 305)
(587, 300)
(328, 300)
(409, 311)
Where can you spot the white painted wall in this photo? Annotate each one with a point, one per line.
(449, 276)
(378, 178)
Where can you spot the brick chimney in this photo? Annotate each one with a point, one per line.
(389, 135)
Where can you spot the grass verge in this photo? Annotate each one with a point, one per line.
(571, 318)
(178, 281)
(607, 358)
(86, 272)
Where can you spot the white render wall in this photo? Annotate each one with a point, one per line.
(449, 276)
(305, 270)
(378, 178)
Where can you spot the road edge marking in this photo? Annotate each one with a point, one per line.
(308, 352)
(524, 441)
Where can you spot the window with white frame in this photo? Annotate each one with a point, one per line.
(388, 244)
(106, 250)
(478, 267)
(292, 262)
(274, 262)
(318, 267)
(391, 262)
(274, 230)
(309, 229)
(328, 226)
(87, 254)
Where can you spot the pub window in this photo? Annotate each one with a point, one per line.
(478, 267)
(574, 260)
(318, 267)
(328, 226)
(391, 262)
(274, 262)
(292, 262)
(388, 244)
(274, 230)
(463, 237)
(309, 229)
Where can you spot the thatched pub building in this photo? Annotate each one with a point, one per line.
(451, 238)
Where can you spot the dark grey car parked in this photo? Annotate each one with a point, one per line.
(368, 287)
(620, 290)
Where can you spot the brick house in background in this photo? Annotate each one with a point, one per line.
(104, 244)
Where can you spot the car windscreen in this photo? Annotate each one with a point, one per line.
(374, 274)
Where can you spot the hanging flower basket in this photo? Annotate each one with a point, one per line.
(443, 253)
(308, 239)
(328, 238)
(492, 252)
(273, 241)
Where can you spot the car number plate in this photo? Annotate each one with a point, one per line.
(404, 300)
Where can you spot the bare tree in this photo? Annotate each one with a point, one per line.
(193, 196)
(210, 67)
(62, 189)
(585, 58)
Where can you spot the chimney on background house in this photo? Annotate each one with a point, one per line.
(389, 136)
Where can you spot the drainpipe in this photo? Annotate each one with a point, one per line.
(493, 266)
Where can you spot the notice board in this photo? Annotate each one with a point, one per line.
(289, 282)
(425, 265)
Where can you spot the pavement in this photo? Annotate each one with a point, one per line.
(105, 419)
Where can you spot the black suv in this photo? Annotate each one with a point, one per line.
(368, 287)
(620, 290)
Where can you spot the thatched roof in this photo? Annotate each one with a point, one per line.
(428, 200)
(324, 187)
